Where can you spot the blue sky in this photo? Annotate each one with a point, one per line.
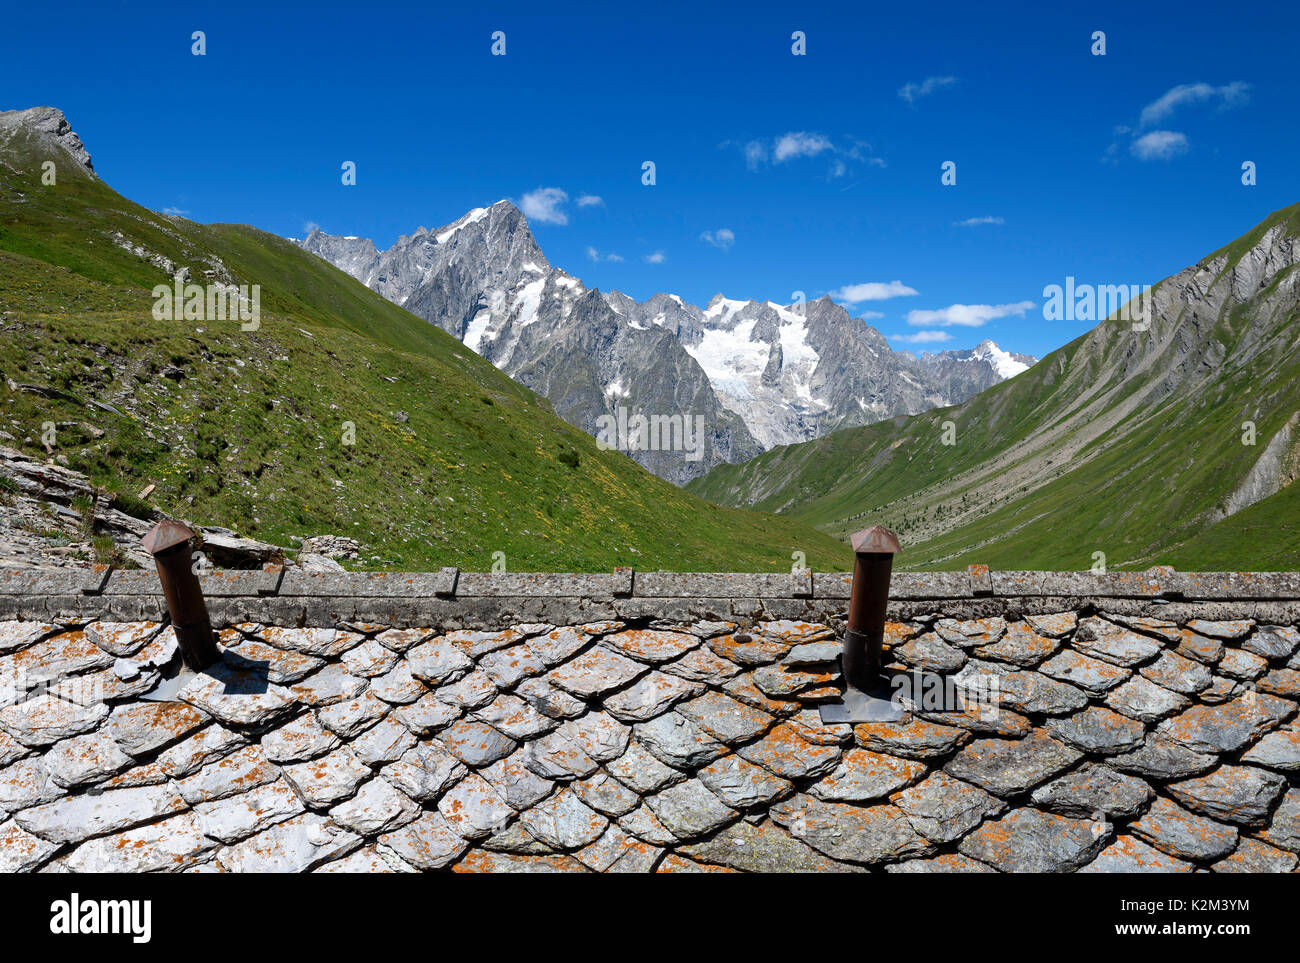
(775, 173)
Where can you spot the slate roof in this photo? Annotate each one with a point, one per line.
(1120, 744)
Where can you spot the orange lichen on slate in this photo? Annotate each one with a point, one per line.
(672, 863)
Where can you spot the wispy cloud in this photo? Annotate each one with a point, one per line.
(176, 211)
(658, 257)
(967, 315)
(590, 200)
(598, 257)
(922, 337)
(1154, 145)
(912, 92)
(978, 221)
(722, 238)
(1159, 145)
(1229, 95)
(545, 205)
(798, 144)
(872, 291)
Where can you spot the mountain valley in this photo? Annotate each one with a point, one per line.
(1131, 446)
(759, 374)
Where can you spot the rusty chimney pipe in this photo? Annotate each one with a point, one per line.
(169, 544)
(864, 638)
(866, 697)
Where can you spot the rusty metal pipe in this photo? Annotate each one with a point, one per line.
(864, 636)
(169, 544)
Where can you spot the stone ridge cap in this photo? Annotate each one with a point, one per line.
(452, 583)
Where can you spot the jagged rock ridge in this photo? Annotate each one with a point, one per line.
(759, 374)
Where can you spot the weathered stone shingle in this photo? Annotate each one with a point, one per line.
(1005, 767)
(1174, 830)
(1032, 841)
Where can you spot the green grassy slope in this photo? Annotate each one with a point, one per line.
(1121, 442)
(1269, 530)
(452, 460)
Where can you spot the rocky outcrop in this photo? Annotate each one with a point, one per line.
(1274, 470)
(332, 546)
(53, 517)
(50, 516)
(49, 125)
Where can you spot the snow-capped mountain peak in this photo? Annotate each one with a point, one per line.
(760, 373)
(1004, 362)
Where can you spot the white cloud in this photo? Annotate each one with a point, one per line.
(922, 337)
(967, 315)
(657, 257)
(872, 291)
(1229, 95)
(799, 144)
(978, 221)
(793, 145)
(1167, 144)
(1159, 145)
(590, 200)
(722, 238)
(871, 315)
(913, 92)
(598, 257)
(174, 211)
(544, 205)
